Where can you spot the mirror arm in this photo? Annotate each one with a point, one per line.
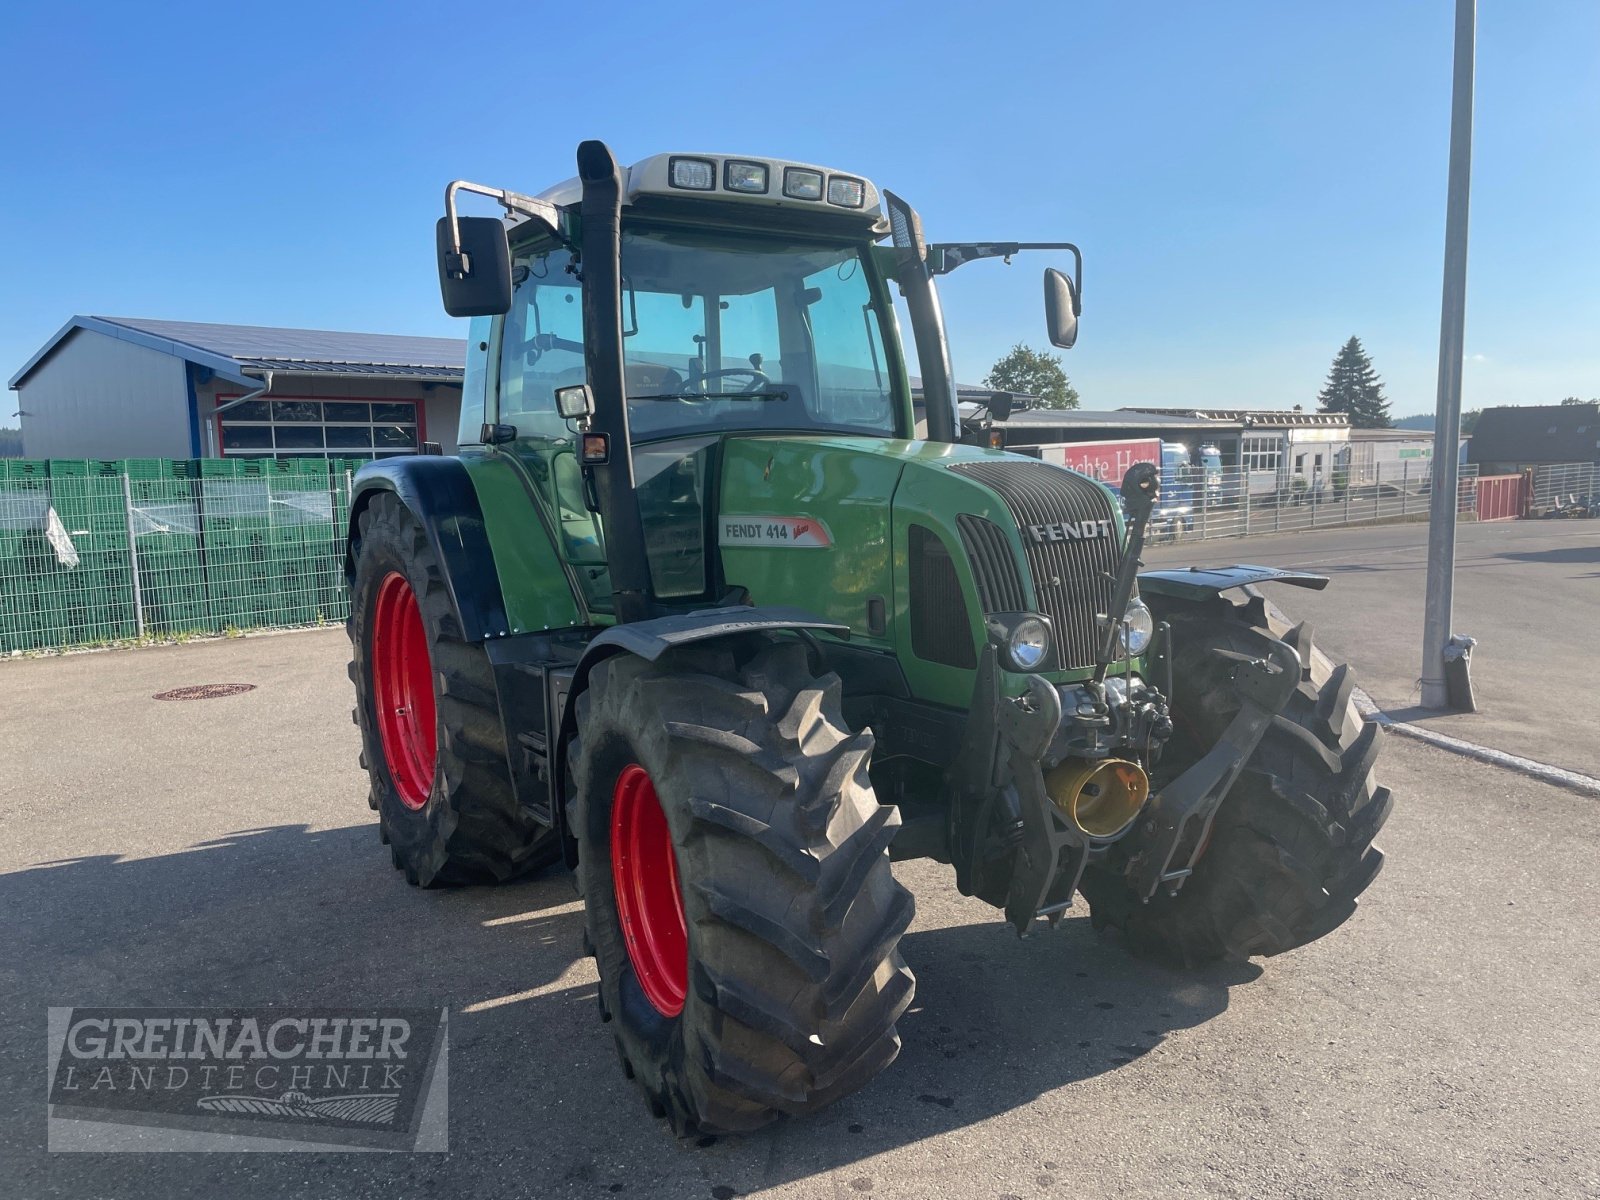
(927, 322)
(540, 210)
(944, 257)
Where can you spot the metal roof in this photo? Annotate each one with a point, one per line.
(232, 350)
(1120, 418)
(1255, 417)
(972, 390)
(1535, 433)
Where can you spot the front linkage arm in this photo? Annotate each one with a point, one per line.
(999, 775)
(1181, 813)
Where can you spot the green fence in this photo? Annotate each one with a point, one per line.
(93, 552)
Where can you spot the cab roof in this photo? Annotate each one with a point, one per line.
(784, 184)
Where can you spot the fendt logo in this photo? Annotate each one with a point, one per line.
(1070, 531)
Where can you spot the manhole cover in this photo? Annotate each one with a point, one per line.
(205, 691)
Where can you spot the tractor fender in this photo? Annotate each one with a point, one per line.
(653, 638)
(1200, 583)
(439, 493)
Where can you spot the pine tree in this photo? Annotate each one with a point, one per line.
(1353, 388)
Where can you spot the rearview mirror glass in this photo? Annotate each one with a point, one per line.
(1060, 309)
(477, 281)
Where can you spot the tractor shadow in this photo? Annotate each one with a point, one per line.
(997, 1024)
(1576, 556)
(289, 915)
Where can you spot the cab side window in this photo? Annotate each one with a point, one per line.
(541, 344)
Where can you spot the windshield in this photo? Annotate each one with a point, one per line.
(750, 332)
(720, 331)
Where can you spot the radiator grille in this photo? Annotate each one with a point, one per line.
(941, 631)
(1071, 578)
(994, 567)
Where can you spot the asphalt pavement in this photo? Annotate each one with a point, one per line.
(220, 852)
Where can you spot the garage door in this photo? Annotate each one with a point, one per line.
(293, 427)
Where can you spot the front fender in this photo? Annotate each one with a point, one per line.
(439, 493)
(1200, 583)
(651, 639)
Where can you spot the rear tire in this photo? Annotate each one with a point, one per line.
(1291, 846)
(448, 811)
(790, 982)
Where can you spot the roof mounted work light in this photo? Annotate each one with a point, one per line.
(846, 192)
(739, 175)
(693, 174)
(801, 184)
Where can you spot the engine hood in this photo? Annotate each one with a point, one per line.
(911, 544)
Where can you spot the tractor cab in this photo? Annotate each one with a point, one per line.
(752, 298)
(724, 332)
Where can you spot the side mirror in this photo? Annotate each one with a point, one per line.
(1000, 405)
(1061, 308)
(575, 403)
(476, 280)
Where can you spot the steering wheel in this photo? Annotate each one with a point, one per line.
(758, 378)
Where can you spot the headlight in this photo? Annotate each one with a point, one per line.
(1027, 644)
(1137, 629)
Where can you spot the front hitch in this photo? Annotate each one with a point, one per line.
(1000, 782)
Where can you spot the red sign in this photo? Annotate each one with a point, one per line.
(1105, 461)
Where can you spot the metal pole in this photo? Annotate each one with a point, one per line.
(1436, 629)
(133, 556)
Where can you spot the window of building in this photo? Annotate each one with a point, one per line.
(1261, 453)
(291, 427)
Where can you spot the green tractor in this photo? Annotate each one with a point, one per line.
(696, 612)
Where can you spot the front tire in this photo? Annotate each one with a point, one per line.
(734, 868)
(431, 739)
(1291, 846)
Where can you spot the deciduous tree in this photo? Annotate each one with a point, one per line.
(1033, 373)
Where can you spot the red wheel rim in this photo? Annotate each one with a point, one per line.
(402, 690)
(644, 869)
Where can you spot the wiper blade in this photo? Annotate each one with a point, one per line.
(715, 396)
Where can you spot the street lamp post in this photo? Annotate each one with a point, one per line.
(1439, 647)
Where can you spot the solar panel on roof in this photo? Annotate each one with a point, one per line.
(307, 347)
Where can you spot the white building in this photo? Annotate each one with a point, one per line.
(1276, 448)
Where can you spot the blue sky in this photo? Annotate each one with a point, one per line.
(1251, 183)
